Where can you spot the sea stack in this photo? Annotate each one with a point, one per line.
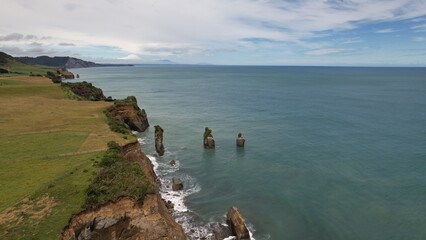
(208, 140)
(159, 147)
(237, 224)
(240, 140)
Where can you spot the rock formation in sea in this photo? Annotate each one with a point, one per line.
(240, 140)
(159, 147)
(127, 113)
(221, 231)
(208, 140)
(177, 184)
(237, 224)
(125, 217)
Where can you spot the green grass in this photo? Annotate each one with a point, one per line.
(65, 180)
(30, 90)
(48, 145)
(118, 177)
(4, 83)
(30, 161)
(16, 67)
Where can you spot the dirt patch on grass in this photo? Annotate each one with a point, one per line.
(27, 209)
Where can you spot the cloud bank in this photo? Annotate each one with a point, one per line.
(126, 29)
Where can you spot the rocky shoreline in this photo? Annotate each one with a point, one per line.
(125, 217)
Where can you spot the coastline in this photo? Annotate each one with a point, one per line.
(170, 212)
(148, 220)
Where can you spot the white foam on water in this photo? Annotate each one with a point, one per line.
(134, 132)
(142, 141)
(230, 238)
(165, 172)
(178, 197)
(154, 163)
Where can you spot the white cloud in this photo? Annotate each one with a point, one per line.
(419, 39)
(386, 30)
(130, 57)
(353, 40)
(191, 27)
(419, 28)
(326, 51)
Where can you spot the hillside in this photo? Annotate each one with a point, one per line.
(9, 64)
(68, 62)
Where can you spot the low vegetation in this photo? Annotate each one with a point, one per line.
(116, 177)
(84, 91)
(49, 147)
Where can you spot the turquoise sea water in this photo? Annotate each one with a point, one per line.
(331, 153)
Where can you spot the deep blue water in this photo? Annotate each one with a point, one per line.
(331, 152)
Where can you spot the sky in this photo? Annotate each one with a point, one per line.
(229, 32)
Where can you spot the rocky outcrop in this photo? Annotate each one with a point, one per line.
(221, 231)
(127, 113)
(237, 224)
(240, 140)
(159, 147)
(177, 184)
(125, 218)
(208, 140)
(84, 90)
(172, 163)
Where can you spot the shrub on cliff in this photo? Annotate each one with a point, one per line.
(116, 177)
(85, 90)
(55, 78)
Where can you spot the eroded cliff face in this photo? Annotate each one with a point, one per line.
(125, 218)
(127, 113)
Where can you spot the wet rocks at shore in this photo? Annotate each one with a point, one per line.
(240, 140)
(237, 224)
(159, 147)
(177, 184)
(221, 231)
(208, 140)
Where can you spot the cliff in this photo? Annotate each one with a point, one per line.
(125, 218)
(85, 91)
(127, 114)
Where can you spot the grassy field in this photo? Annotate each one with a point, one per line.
(48, 145)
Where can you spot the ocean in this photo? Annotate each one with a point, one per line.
(331, 152)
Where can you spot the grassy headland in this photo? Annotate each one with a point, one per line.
(49, 145)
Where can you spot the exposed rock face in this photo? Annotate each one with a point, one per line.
(221, 232)
(240, 140)
(125, 218)
(177, 184)
(208, 140)
(128, 113)
(237, 224)
(172, 163)
(159, 147)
